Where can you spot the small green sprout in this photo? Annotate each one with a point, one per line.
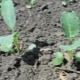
(30, 48)
(58, 59)
(31, 3)
(66, 3)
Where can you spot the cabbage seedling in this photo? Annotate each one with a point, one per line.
(8, 14)
(31, 3)
(70, 26)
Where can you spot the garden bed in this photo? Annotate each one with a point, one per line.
(41, 26)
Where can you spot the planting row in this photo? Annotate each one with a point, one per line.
(69, 23)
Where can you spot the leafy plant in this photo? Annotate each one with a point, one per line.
(8, 14)
(70, 26)
(58, 59)
(31, 3)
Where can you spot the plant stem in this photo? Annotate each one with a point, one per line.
(70, 53)
(13, 31)
(70, 41)
(12, 51)
(16, 42)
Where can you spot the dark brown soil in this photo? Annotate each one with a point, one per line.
(39, 25)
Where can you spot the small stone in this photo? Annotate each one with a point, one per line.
(45, 59)
(74, 75)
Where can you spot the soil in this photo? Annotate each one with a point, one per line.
(41, 26)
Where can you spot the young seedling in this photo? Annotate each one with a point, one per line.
(58, 59)
(66, 3)
(70, 26)
(30, 48)
(8, 14)
(31, 3)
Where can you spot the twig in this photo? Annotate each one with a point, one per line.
(65, 69)
(35, 67)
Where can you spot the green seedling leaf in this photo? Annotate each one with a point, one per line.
(77, 56)
(64, 3)
(6, 42)
(16, 42)
(73, 46)
(58, 59)
(8, 13)
(28, 6)
(70, 24)
(30, 48)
